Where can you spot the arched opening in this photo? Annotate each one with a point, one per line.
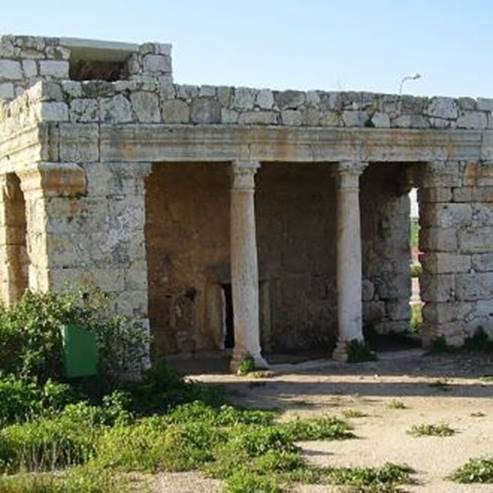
(16, 242)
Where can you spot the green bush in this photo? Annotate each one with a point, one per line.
(21, 400)
(47, 444)
(326, 428)
(30, 334)
(243, 481)
(359, 351)
(416, 270)
(441, 430)
(247, 365)
(475, 471)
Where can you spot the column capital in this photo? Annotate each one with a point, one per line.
(243, 175)
(351, 167)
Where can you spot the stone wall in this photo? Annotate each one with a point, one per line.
(456, 218)
(187, 238)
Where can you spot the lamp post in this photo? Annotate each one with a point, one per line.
(408, 77)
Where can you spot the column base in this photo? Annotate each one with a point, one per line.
(340, 352)
(258, 361)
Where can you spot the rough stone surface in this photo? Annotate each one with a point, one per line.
(76, 155)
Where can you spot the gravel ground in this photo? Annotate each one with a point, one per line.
(325, 387)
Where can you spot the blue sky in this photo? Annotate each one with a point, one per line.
(304, 44)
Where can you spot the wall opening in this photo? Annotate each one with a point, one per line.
(16, 239)
(415, 303)
(81, 70)
(228, 322)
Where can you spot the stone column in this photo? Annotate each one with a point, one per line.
(244, 267)
(349, 271)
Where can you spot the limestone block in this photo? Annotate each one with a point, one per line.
(257, 118)
(311, 117)
(186, 92)
(244, 98)
(466, 103)
(444, 263)
(207, 91)
(132, 303)
(441, 107)
(108, 279)
(289, 99)
(483, 262)
(438, 288)
(175, 111)
(485, 104)
(57, 52)
(224, 95)
(136, 276)
(29, 68)
(157, 63)
(381, 120)
(476, 240)
(368, 290)
(52, 112)
(476, 286)
(293, 118)
(312, 98)
(446, 215)
(472, 119)
(440, 313)
(373, 311)
(205, 110)
(410, 121)
(438, 239)
(355, 118)
(435, 194)
(84, 110)
(329, 119)
(79, 143)
(482, 214)
(55, 69)
(146, 107)
(10, 70)
(392, 327)
(229, 116)
(478, 174)
(7, 90)
(265, 99)
(116, 109)
(473, 194)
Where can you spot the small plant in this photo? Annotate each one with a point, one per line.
(326, 428)
(416, 269)
(396, 404)
(486, 378)
(246, 366)
(243, 481)
(478, 414)
(441, 430)
(475, 471)
(479, 341)
(353, 413)
(359, 351)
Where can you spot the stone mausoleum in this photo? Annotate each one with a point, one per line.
(236, 218)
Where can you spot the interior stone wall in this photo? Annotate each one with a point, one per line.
(385, 230)
(187, 235)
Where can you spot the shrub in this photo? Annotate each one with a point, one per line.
(31, 342)
(243, 481)
(475, 471)
(21, 399)
(326, 428)
(359, 351)
(247, 365)
(441, 430)
(416, 270)
(46, 444)
(396, 404)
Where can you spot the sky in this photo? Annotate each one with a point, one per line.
(291, 44)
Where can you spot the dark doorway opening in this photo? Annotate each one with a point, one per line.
(229, 333)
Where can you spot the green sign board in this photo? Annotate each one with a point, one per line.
(80, 351)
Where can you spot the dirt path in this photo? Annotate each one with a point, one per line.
(413, 379)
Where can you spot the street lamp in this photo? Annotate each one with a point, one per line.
(408, 77)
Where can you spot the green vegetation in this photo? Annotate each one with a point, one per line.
(414, 233)
(353, 413)
(85, 435)
(416, 317)
(247, 365)
(441, 385)
(360, 351)
(396, 404)
(441, 430)
(475, 471)
(479, 341)
(416, 269)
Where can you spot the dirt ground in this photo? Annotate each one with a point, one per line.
(325, 387)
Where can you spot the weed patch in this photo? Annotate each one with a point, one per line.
(396, 404)
(440, 430)
(475, 471)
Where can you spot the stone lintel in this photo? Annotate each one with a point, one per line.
(55, 179)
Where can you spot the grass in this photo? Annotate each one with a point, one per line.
(440, 430)
(396, 404)
(478, 414)
(353, 413)
(475, 471)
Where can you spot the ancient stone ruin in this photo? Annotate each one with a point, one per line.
(114, 175)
